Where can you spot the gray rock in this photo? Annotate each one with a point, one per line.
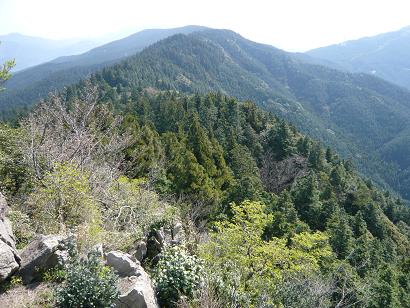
(164, 237)
(178, 234)
(3, 206)
(43, 253)
(161, 237)
(98, 250)
(137, 292)
(140, 250)
(6, 232)
(8, 261)
(9, 258)
(123, 263)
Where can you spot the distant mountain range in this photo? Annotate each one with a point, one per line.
(360, 115)
(30, 51)
(32, 84)
(385, 55)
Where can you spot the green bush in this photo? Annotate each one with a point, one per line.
(88, 284)
(177, 274)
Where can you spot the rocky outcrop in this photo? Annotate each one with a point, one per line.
(278, 175)
(9, 258)
(123, 264)
(164, 237)
(140, 250)
(135, 286)
(43, 253)
(137, 292)
(9, 261)
(3, 207)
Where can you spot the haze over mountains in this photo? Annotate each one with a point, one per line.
(360, 115)
(385, 55)
(30, 51)
(35, 83)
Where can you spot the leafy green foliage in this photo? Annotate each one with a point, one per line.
(64, 200)
(5, 71)
(88, 284)
(177, 274)
(322, 222)
(14, 174)
(250, 266)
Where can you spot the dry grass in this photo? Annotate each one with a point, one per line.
(30, 296)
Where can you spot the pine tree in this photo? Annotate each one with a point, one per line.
(338, 177)
(341, 235)
(281, 141)
(386, 289)
(317, 157)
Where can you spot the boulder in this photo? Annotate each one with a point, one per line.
(136, 292)
(9, 258)
(140, 250)
(6, 233)
(123, 264)
(9, 261)
(43, 253)
(163, 237)
(3, 206)
(178, 234)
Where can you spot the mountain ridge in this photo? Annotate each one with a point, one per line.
(357, 114)
(383, 55)
(321, 101)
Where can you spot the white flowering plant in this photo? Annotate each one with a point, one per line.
(177, 274)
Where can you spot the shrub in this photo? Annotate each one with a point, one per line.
(88, 284)
(22, 228)
(55, 274)
(177, 274)
(133, 210)
(64, 200)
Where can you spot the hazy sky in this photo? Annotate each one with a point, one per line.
(294, 25)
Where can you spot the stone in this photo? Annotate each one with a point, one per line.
(98, 250)
(140, 250)
(41, 254)
(8, 261)
(3, 206)
(9, 258)
(123, 263)
(136, 292)
(6, 232)
(178, 234)
(164, 237)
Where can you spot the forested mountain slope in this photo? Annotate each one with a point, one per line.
(363, 117)
(384, 55)
(33, 84)
(312, 233)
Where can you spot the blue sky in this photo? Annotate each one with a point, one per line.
(294, 25)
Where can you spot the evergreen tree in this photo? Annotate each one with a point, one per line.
(281, 141)
(317, 157)
(341, 235)
(386, 289)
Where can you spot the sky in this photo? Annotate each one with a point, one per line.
(293, 25)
